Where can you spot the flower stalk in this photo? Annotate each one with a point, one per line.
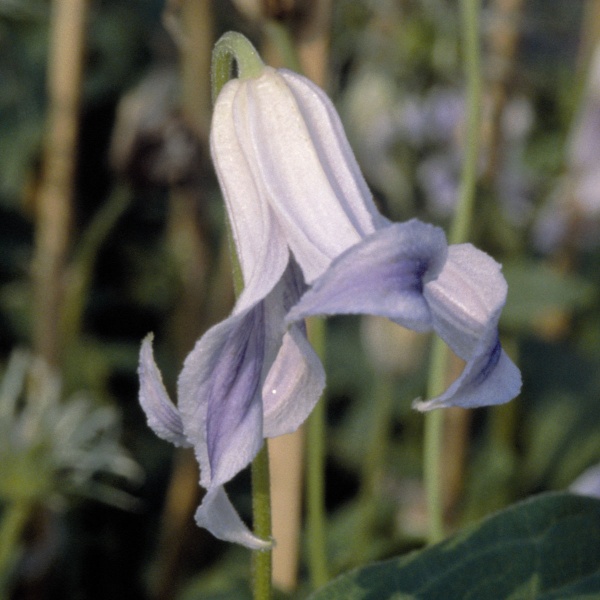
(315, 472)
(234, 47)
(460, 230)
(261, 509)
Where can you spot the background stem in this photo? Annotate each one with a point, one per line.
(315, 472)
(65, 67)
(261, 509)
(460, 231)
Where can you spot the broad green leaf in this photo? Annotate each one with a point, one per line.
(545, 548)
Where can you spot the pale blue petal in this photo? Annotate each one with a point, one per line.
(163, 417)
(489, 378)
(234, 419)
(293, 386)
(295, 378)
(220, 396)
(466, 300)
(384, 275)
(217, 515)
(227, 382)
(302, 160)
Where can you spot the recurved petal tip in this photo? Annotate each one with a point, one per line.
(163, 417)
(466, 300)
(491, 378)
(217, 514)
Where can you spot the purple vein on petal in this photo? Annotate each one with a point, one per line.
(382, 275)
(234, 415)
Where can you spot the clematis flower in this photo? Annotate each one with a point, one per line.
(296, 199)
(301, 214)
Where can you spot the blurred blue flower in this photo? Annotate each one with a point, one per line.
(572, 212)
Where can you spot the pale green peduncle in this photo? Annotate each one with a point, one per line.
(233, 47)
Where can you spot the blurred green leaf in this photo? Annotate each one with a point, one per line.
(544, 548)
(536, 292)
(562, 440)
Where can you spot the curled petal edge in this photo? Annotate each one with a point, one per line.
(162, 415)
(382, 275)
(217, 515)
(489, 378)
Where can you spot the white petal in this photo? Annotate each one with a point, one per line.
(260, 245)
(298, 154)
(216, 513)
(335, 153)
(163, 417)
(588, 483)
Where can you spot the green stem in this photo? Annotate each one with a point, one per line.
(383, 399)
(261, 508)
(14, 518)
(315, 473)
(233, 47)
(463, 217)
(374, 461)
(460, 232)
(434, 430)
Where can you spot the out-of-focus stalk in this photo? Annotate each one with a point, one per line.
(80, 270)
(192, 26)
(53, 219)
(434, 421)
(590, 33)
(373, 466)
(15, 516)
(503, 37)
(315, 472)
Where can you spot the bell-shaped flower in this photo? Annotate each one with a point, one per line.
(301, 214)
(407, 273)
(296, 199)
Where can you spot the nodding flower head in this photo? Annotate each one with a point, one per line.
(301, 215)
